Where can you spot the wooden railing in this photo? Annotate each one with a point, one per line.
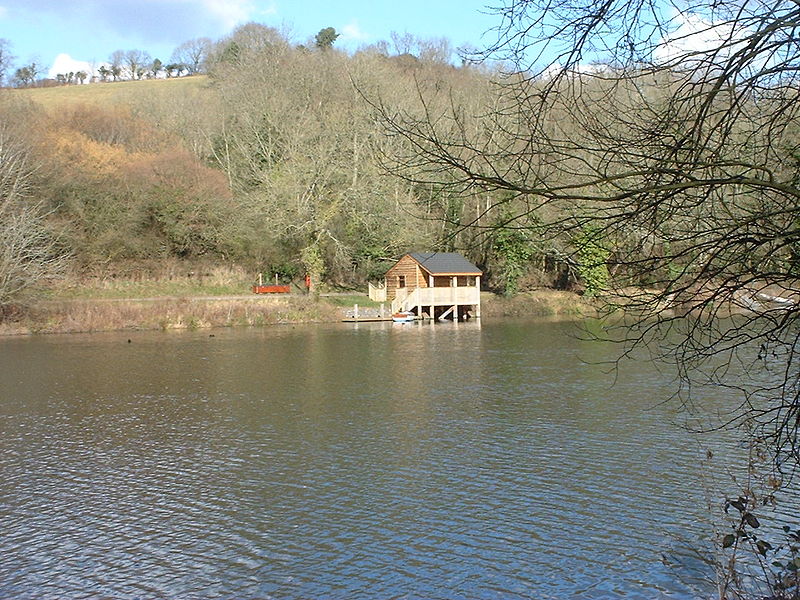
(435, 296)
(377, 293)
(402, 300)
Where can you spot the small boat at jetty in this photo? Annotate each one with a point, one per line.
(403, 317)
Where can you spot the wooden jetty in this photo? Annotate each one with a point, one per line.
(365, 319)
(369, 315)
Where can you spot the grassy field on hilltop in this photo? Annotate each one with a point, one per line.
(119, 92)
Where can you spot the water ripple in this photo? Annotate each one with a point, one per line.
(332, 463)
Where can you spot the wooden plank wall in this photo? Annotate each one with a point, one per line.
(406, 266)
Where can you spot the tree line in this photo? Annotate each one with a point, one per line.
(191, 57)
(187, 59)
(334, 163)
(321, 161)
(274, 162)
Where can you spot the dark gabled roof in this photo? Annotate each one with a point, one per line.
(445, 263)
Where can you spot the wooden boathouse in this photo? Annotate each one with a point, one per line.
(435, 285)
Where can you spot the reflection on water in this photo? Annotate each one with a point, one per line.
(376, 461)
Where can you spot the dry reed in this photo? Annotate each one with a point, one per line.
(178, 313)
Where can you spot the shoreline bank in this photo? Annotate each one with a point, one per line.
(206, 312)
(141, 314)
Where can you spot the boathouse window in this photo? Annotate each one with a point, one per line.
(401, 281)
(443, 281)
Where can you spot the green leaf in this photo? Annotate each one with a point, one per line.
(728, 540)
(763, 547)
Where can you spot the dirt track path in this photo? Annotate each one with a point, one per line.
(246, 297)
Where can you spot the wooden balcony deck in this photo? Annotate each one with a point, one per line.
(414, 299)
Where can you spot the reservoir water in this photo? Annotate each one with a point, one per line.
(424, 461)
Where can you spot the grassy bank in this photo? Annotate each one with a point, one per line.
(220, 297)
(158, 280)
(538, 303)
(72, 316)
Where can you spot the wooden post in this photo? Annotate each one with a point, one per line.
(454, 291)
(478, 290)
(260, 279)
(355, 311)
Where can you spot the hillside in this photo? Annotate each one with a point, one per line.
(275, 168)
(284, 166)
(114, 93)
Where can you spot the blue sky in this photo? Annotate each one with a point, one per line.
(90, 30)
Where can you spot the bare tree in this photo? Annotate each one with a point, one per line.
(673, 138)
(658, 142)
(137, 62)
(28, 251)
(26, 75)
(193, 54)
(297, 144)
(435, 50)
(404, 43)
(6, 59)
(244, 43)
(115, 62)
(15, 165)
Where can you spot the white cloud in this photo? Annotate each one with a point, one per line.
(270, 10)
(556, 69)
(694, 36)
(229, 12)
(3, 12)
(551, 71)
(161, 21)
(64, 64)
(352, 32)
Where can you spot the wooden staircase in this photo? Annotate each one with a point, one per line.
(405, 301)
